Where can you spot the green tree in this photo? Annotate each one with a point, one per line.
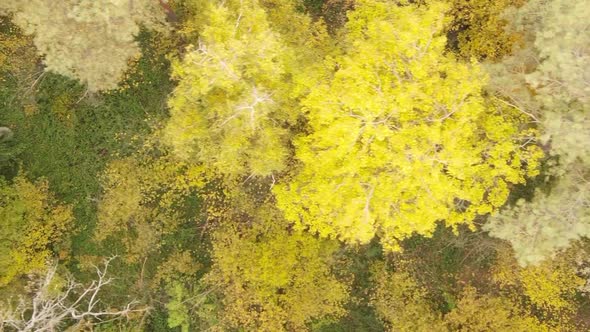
(401, 136)
(562, 41)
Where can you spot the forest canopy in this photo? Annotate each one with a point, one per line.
(294, 165)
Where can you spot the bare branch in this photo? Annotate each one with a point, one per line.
(536, 120)
(46, 312)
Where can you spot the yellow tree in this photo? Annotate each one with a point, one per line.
(481, 28)
(404, 305)
(18, 57)
(401, 136)
(33, 227)
(482, 313)
(551, 289)
(144, 199)
(400, 303)
(232, 106)
(271, 278)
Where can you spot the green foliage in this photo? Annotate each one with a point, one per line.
(353, 263)
(443, 263)
(72, 146)
(178, 314)
(404, 135)
(550, 70)
(69, 137)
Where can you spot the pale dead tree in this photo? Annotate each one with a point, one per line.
(258, 98)
(5, 134)
(45, 311)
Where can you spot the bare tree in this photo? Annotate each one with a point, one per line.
(44, 312)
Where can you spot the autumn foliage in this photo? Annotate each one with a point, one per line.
(305, 165)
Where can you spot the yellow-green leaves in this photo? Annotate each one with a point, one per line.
(550, 290)
(401, 135)
(482, 313)
(271, 278)
(231, 107)
(17, 57)
(32, 227)
(143, 200)
(401, 303)
(481, 28)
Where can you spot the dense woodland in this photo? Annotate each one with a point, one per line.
(295, 165)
